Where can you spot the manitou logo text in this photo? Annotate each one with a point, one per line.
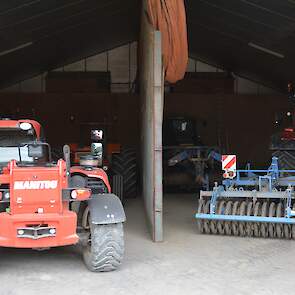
(33, 184)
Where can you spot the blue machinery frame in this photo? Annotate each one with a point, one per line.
(269, 183)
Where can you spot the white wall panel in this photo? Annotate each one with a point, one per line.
(244, 86)
(97, 62)
(191, 65)
(202, 67)
(76, 66)
(119, 64)
(32, 85)
(133, 61)
(122, 62)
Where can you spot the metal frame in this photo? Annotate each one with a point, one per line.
(269, 186)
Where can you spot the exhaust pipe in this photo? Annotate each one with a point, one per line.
(67, 158)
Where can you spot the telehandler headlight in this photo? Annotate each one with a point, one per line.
(6, 195)
(25, 126)
(81, 194)
(20, 232)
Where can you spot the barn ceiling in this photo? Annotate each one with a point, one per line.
(253, 38)
(39, 35)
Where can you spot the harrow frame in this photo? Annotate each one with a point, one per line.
(267, 184)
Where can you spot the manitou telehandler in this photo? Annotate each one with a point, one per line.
(47, 204)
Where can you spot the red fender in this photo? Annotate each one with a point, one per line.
(95, 172)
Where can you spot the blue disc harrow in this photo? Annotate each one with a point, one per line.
(256, 203)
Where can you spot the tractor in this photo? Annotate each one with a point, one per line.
(187, 163)
(46, 204)
(283, 142)
(120, 161)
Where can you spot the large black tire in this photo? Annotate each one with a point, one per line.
(106, 250)
(286, 159)
(124, 164)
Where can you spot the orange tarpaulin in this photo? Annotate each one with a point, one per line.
(168, 16)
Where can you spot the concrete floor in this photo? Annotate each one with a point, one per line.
(186, 263)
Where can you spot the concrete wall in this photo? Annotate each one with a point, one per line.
(152, 97)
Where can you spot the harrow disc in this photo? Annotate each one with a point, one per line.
(200, 222)
(242, 225)
(235, 211)
(256, 225)
(228, 211)
(287, 231)
(271, 226)
(249, 225)
(264, 226)
(213, 223)
(293, 231)
(279, 227)
(220, 224)
(260, 208)
(207, 222)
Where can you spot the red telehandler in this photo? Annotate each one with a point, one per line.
(47, 204)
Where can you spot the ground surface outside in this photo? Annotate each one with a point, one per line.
(186, 263)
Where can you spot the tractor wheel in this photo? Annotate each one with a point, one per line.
(105, 249)
(124, 164)
(286, 160)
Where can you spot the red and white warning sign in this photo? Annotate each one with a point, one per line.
(229, 166)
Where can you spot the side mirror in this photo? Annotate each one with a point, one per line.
(97, 151)
(36, 151)
(96, 135)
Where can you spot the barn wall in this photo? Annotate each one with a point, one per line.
(61, 114)
(242, 124)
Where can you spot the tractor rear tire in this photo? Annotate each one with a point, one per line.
(125, 164)
(286, 160)
(106, 250)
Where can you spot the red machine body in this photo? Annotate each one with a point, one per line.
(288, 134)
(36, 207)
(93, 173)
(15, 124)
